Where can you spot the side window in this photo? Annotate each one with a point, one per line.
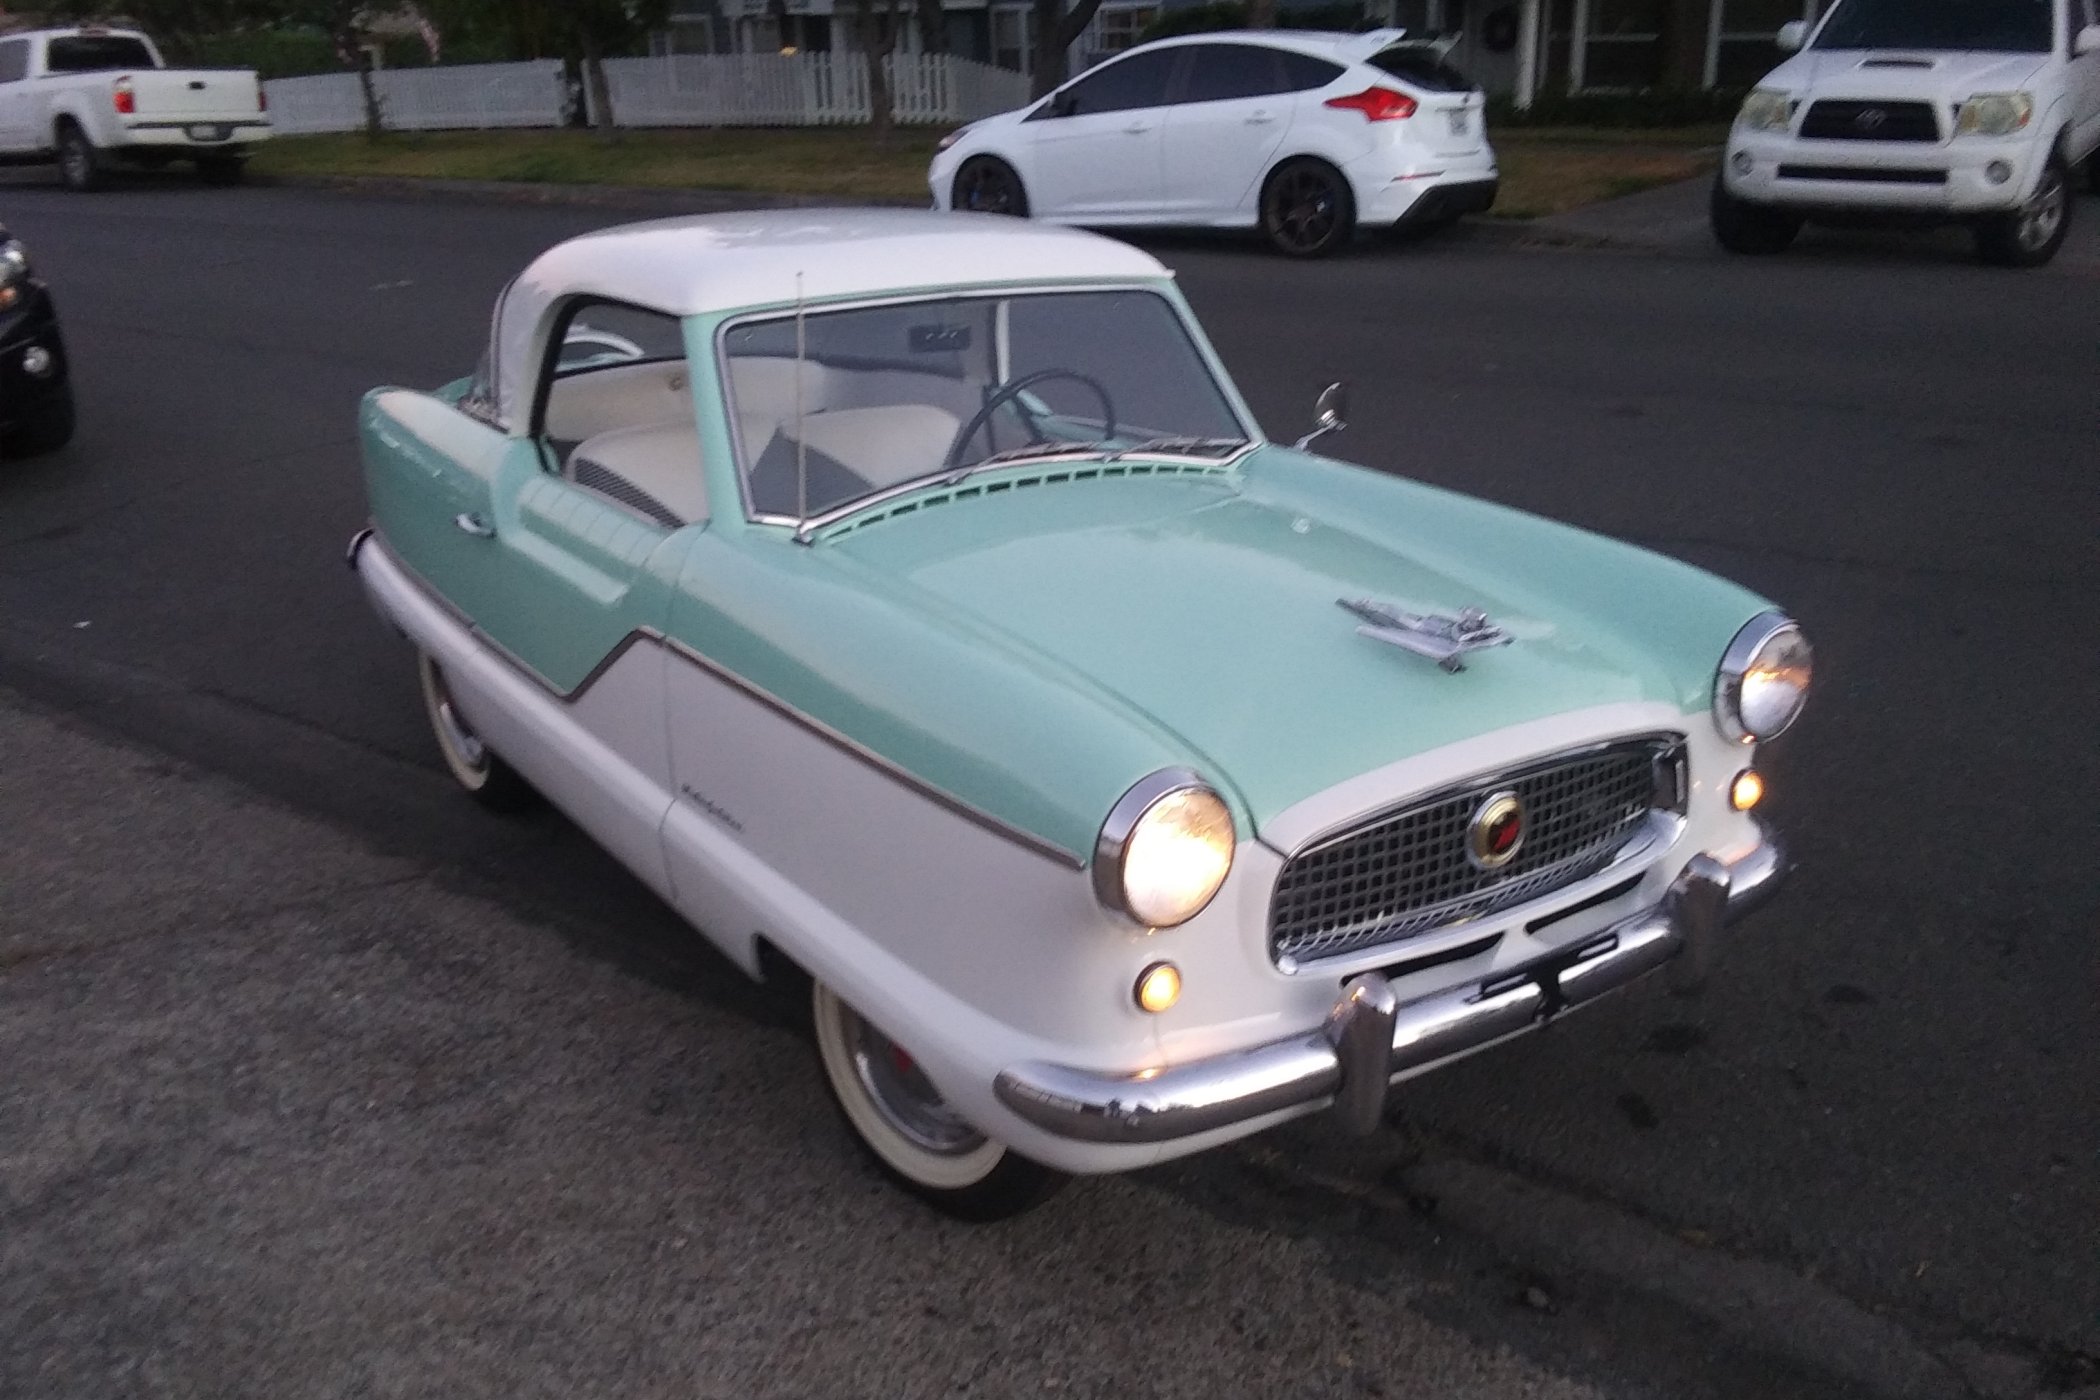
(1221, 72)
(617, 410)
(1302, 72)
(1138, 81)
(14, 60)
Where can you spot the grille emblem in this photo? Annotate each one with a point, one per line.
(1496, 833)
(1873, 119)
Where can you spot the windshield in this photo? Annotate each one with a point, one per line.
(81, 53)
(1996, 26)
(885, 395)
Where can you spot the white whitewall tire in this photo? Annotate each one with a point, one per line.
(910, 1130)
(472, 764)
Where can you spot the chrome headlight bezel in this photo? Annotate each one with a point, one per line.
(1764, 637)
(1994, 114)
(1148, 800)
(1766, 109)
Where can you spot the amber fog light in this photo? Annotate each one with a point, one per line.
(1747, 790)
(1159, 987)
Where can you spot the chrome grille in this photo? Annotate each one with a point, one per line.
(1406, 872)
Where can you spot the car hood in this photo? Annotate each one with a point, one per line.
(1904, 74)
(1210, 606)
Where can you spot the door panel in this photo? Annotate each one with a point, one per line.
(1094, 148)
(429, 475)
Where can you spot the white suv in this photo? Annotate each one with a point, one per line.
(1977, 110)
(1305, 135)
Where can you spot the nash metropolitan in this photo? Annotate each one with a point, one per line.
(911, 600)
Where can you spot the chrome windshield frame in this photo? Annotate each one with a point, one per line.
(803, 528)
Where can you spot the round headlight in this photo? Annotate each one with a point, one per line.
(1764, 679)
(14, 262)
(1164, 850)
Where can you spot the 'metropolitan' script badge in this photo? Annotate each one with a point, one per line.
(1443, 639)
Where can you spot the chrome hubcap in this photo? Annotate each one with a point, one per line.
(458, 737)
(900, 1090)
(2042, 215)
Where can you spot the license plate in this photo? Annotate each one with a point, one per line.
(207, 133)
(1458, 122)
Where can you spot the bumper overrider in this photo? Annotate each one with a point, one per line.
(1371, 1037)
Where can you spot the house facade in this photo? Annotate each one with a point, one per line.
(1521, 49)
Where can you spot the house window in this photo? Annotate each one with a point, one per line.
(1013, 39)
(1119, 29)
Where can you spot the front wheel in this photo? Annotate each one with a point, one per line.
(80, 164)
(1755, 229)
(47, 429)
(913, 1134)
(988, 185)
(2031, 234)
(1307, 210)
(472, 764)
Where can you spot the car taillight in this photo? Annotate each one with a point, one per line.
(126, 102)
(1378, 104)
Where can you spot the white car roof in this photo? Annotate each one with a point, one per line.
(1331, 44)
(726, 262)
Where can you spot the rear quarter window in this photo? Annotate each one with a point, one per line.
(1302, 72)
(84, 53)
(1421, 68)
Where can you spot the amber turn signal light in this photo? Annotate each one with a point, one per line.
(1159, 987)
(1747, 790)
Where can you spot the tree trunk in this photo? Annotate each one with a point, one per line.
(875, 47)
(1261, 14)
(602, 116)
(374, 125)
(933, 26)
(1055, 32)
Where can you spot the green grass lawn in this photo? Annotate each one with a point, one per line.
(1544, 170)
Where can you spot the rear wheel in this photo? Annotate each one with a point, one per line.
(47, 429)
(473, 765)
(913, 1134)
(1307, 210)
(988, 185)
(1756, 229)
(2031, 234)
(221, 170)
(80, 163)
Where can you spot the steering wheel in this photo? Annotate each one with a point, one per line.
(1012, 390)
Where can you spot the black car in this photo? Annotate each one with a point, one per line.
(36, 396)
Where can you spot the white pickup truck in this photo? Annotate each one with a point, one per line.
(90, 98)
(1976, 110)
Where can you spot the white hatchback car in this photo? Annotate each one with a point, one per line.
(1307, 136)
(1977, 110)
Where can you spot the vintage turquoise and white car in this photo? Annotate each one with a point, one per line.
(912, 602)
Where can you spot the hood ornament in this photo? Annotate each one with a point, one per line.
(1438, 636)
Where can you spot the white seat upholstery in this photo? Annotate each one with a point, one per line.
(661, 461)
(882, 446)
(584, 405)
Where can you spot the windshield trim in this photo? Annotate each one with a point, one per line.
(1206, 356)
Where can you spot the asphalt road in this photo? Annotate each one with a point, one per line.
(1890, 1093)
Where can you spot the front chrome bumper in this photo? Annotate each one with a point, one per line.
(1370, 1038)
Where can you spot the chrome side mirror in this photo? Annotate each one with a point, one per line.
(1330, 414)
(1792, 35)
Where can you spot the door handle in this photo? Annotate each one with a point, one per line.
(1259, 119)
(1138, 129)
(474, 524)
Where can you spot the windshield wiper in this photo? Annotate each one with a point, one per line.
(948, 476)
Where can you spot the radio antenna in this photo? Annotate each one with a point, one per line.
(801, 447)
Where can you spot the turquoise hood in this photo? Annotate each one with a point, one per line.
(1207, 605)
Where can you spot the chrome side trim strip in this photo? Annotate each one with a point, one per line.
(947, 801)
(1369, 1039)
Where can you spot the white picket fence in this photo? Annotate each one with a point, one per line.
(818, 89)
(672, 90)
(469, 96)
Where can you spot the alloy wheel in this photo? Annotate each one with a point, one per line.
(1303, 209)
(2041, 216)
